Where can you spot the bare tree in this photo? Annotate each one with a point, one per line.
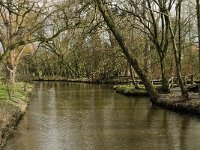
(148, 17)
(106, 15)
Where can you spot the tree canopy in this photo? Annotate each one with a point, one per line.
(99, 40)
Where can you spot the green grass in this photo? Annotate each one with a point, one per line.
(13, 103)
(13, 94)
(131, 90)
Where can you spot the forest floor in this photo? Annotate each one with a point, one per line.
(175, 102)
(172, 101)
(13, 104)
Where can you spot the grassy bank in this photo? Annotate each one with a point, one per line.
(13, 104)
(130, 90)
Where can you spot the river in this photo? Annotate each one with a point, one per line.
(77, 116)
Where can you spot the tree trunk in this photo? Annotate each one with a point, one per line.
(133, 79)
(198, 26)
(143, 76)
(165, 84)
(147, 60)
(12, 69)
(184, 92)
(192, 79)
(179, 36)
(13, 75)
(147, 49)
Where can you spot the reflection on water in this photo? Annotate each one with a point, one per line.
(66, 116)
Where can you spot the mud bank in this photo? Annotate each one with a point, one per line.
(173, 102)
(13, 104)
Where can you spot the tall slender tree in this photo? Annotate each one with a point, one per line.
(109, 21)
(198, 26)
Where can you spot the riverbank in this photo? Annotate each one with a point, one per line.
(13, 104)
(174, 102)
(170, 101)
(83, 80)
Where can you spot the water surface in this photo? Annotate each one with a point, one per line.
(73, 116)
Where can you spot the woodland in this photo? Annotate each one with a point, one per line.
(101, 40)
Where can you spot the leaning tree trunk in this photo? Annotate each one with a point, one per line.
(143, 76)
